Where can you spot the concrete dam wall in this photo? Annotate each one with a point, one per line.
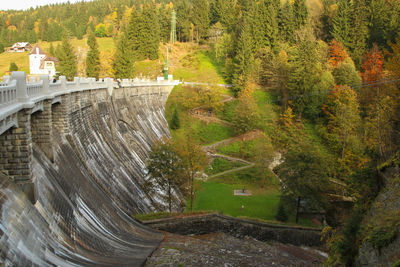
(87, 182)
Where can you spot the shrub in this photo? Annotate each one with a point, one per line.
(175, 123)
(13, 67)
(281, 213)
(382, 237)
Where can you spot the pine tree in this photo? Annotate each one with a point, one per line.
(51, 50)
(262, 16)
(143, 33)
(243, 59)
(123, 64)
(305, 73)
(175, 123)
(281, 213)
(151, 32)
(342, 26)
(200, 18)
(228, 14)
(67, 58)
(359, 33)
(93, 57)
(183, 20)
(300, 13)
(286, 22)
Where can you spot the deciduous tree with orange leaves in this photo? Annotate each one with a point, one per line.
(377, 102)
(338, 53)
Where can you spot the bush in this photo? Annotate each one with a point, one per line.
(13, 67)
(382, 237)
(175, 123)
(281, 213)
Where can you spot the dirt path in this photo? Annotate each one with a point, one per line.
(243, 137)
(209, 119)
(231, 171)
(210, 149)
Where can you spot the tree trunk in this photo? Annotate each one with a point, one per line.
(297, 209)
(169, 198)
(191, 192)
(379, 122)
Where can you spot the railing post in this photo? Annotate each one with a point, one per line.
(6, 79)
(22, 90)
(45, 79)
(63, 81)
(110, 85)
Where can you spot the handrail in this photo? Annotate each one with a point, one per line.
(16, 93)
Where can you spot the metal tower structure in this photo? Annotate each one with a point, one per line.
(173, 27)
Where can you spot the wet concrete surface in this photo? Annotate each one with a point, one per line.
(86, 197)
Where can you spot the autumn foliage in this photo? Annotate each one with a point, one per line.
(338, 53)
(372, 66)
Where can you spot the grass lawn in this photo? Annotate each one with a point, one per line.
(21, 59)
(240, 149)
(219, 197)
(106, 46)
(202, 132)
(228, 111)
(149, 68)
(198, 67)
(220, 165)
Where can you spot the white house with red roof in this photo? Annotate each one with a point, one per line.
(40, 63)
(20, 47)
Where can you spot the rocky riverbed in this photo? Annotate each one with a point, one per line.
(219, 249)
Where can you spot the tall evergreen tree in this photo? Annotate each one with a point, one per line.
(342, 23)
(151, 37)
(286, 22)
(228, 13)
(243, 59)
(200, 18)
(359, 31)
(143, 33)
(123, 60)
(262, 16)
(300, 13)
(183, 20)
(66, 58)
(175, 123)
(93, 57)
(308, 84)
(51, 50)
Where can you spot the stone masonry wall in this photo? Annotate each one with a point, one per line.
(16, 154)
(41, 127)
(60, 114)
(213, 223)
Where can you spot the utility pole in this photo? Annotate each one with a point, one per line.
(173, 28)
(166, 66)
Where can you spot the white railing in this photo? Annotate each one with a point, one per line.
(8, 93)
(35, 89)
(16, 93)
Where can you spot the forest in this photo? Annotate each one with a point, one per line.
(332, 64)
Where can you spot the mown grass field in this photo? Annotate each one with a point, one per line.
(198, 66)
(106, 47)
(217, 196)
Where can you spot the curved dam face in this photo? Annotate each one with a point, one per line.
(87, 191)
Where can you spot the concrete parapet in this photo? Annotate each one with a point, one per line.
(212, 223)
